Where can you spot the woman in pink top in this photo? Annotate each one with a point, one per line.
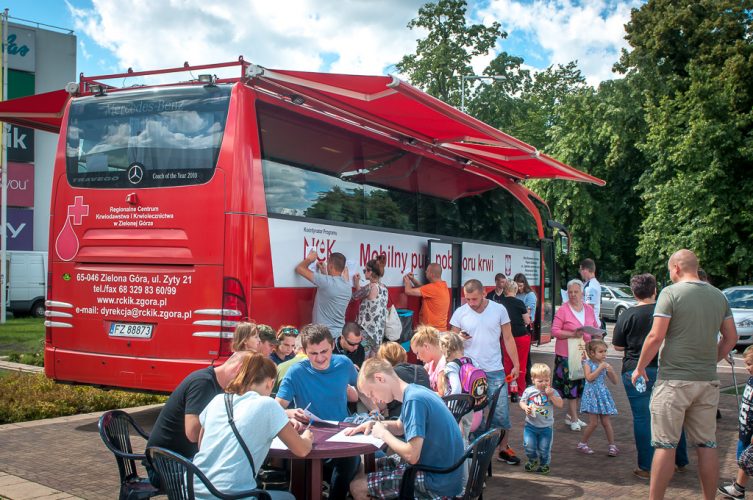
(568, 320)
(425, 343)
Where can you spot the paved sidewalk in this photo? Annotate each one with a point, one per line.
(66, 456)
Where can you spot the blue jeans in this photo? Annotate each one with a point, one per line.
(501, 417)
(538, 443)
(342, 471)
(639, 405)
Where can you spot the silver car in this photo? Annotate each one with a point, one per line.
(741, 302)
(616, 298)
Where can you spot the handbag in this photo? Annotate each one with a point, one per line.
(575, 350)
(231, 421)
(745, 462)
(393, 327)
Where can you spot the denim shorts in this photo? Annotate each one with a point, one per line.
(501, 417)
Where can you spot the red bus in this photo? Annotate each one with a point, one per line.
(178, 210)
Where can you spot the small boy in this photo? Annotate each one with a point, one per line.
(538, 402)
(737, 488)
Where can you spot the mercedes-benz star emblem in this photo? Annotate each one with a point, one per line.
(135, 173)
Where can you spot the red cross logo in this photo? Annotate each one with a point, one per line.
(78, 210)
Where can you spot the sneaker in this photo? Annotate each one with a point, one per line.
(514, 397)
(508, 456)
(543, 469)
(582, 423)
(643, 474)
(732, 491)
(613, 450)
(531, 466)
(567, 420)
(584, 448)
(575, 426)
(681, 468)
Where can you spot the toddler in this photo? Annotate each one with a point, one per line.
(737, 488)
(597, 400)
(538, 401)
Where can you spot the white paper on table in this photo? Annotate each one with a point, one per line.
(277, 444)
(314, 418)
(340, 437)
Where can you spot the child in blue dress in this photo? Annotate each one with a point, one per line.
(597, 401)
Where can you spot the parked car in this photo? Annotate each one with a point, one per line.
(741, 302)
(616, 298)
(27, 282)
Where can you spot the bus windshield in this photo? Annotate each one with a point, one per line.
(146, 138)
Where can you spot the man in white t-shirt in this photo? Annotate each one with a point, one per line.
(480, 322)
(592, 288)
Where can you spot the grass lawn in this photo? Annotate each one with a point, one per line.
(21, 336)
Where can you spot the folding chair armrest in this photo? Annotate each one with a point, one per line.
(130, 456)
(407, 483)
(141, 431)
(257, 493)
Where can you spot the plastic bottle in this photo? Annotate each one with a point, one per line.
(514, 389)
(640, 384)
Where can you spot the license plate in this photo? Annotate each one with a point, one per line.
(131, 330)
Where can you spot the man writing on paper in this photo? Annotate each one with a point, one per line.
(432, 437)
(323, 383)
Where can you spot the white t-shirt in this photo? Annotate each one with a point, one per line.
(592, 295)
(452, 372)
(580, 315)
(221, 458)
(484, 329)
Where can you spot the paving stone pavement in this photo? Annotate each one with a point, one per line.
(67, 455)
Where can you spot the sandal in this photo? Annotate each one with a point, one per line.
(613, 450)
(584, 448)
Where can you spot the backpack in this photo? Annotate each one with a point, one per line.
(473, 381)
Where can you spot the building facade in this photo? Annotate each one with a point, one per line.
(39, 60)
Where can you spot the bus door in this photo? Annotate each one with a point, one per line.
(545, 313)
(448, 254)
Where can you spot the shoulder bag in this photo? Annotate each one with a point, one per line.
(231, 421)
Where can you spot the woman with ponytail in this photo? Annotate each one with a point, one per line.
(372, 314)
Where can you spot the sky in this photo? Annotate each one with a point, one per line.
(340, 36)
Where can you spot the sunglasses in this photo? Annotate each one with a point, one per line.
(289, 331)
(351, 344)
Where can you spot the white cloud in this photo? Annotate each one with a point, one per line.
(362, 37)
(344, 36)
(589, 31)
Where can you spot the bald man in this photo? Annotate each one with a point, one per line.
(688, 316)
(436, 297)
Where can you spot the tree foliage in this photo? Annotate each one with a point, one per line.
(697, 58)
(673, 137)
(444, 55)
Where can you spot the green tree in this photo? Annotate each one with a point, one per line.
(445, 53)
(693, 63)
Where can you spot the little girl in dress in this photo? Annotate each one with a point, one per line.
(597, 401)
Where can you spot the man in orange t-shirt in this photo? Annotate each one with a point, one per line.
(435, 294)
